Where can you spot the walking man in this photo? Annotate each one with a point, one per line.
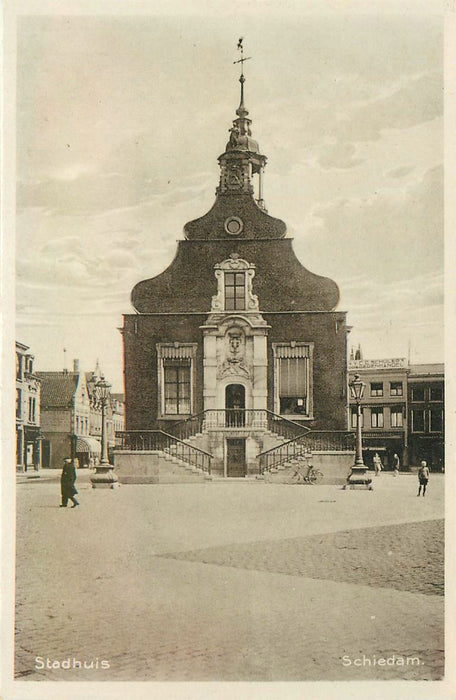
(67, 483)
(423, 477)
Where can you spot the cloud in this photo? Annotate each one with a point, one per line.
(399, 172)
(396, 232)
(339, 155)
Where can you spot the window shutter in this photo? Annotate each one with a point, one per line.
(293, 377)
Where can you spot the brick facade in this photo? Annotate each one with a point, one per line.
(282, 310)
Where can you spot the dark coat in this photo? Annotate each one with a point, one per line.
(67, 480)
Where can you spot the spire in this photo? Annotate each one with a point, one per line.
(97, 373)
(241, 110)
(242, 158)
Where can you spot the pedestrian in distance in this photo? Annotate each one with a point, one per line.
(67, 483)
(423, 477)
(377, 464)
(396, 464)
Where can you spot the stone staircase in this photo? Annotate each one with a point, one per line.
(213, 441)
(156, 467)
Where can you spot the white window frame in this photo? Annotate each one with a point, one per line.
(396, 412)
(244, 275)
(397, 390)
(376, 392)
(377, 411)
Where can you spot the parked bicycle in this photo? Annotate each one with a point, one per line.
(310, 476)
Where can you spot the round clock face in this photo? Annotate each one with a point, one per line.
(234, 225)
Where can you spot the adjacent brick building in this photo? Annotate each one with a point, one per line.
(426, 400)
(236, 322)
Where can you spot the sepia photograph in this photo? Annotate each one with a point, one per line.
(224, 349)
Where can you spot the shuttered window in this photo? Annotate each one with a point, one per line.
(293, 377)
(293, 367)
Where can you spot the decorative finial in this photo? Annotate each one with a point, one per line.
(242, 110)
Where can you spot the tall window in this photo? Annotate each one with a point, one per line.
(376, 388)
(396, 389)
(18, 403)
(293, 378)
(397, 420)
(418, 421)
(32, 405)
(436, 420)
(177, 386)
(176, 368)
(234, 291)
(377, 417)
(293, 386)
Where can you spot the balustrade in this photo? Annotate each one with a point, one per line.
(159, 441)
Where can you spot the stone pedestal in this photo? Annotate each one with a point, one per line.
(104, 477)
(359, 478)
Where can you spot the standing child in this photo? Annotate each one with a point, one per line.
(423, 477)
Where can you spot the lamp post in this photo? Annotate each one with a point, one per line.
(358, 476)
(104, 476)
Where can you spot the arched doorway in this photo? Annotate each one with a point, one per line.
(235, 405)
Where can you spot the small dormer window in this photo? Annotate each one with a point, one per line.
(234, 291)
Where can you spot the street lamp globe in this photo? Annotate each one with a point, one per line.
(103, 388)
(357, 388)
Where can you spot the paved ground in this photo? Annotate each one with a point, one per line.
(231, 582)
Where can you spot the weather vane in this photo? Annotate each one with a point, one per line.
(240, 47)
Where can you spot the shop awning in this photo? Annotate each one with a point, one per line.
(88, 445)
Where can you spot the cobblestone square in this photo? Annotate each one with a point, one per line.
(230, 582)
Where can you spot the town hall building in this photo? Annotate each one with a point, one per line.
(236, 348)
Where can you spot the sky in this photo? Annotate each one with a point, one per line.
(119, 123)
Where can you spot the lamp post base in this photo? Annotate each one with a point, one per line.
(359, 478)
(104, 477)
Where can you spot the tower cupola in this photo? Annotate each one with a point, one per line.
(242, 158)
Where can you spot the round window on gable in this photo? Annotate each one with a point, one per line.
(234, 225)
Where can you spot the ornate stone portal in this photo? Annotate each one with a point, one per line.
(235, 342)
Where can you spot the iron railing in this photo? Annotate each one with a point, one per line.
(304, 446)
(159, 441)
(237, 418)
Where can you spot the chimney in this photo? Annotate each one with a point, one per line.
(75, 365)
